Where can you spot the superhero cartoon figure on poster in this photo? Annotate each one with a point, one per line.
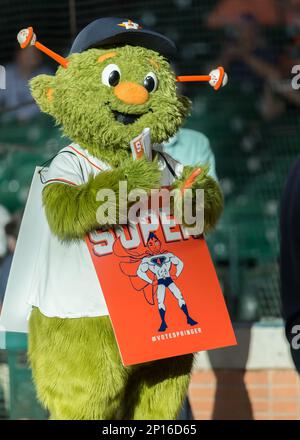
(155, 272)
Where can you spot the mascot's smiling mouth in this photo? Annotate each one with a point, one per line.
(127, 118)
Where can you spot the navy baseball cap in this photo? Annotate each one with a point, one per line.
(112, 31)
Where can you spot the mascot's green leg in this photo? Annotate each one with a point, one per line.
(79, 375)
(76, 367)
(156, 390)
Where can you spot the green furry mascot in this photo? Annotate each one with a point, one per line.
(114, 83)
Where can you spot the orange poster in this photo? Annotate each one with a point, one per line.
(161, 290)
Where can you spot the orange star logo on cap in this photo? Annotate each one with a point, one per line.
(130, 25)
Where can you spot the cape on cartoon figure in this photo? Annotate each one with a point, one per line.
(115, 82)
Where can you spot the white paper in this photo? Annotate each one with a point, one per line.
(141, 145)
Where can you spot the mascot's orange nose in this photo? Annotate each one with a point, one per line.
(131, 93)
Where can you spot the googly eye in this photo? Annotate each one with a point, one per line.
(150, 82)
(111, 75)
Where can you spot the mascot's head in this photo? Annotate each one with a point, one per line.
(114, 83)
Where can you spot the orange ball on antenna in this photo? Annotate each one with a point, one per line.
(26, 37)
(217, 78)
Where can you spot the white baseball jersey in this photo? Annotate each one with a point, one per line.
(65, 283)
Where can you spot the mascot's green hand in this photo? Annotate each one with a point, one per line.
(142, 174)
(213, 198)
(71, 210)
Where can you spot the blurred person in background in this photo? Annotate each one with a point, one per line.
(291, 12)
(246, 45)
(278, 94)
(290, 260)
(227, 12)
(12, 231)
(250, 62)
(16, 101)
(290, 203)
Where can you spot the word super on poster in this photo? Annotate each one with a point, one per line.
(161, 290)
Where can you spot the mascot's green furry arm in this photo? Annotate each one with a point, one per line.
(102, 100)
(71, 210)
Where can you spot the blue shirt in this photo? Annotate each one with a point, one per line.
(191, 147)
